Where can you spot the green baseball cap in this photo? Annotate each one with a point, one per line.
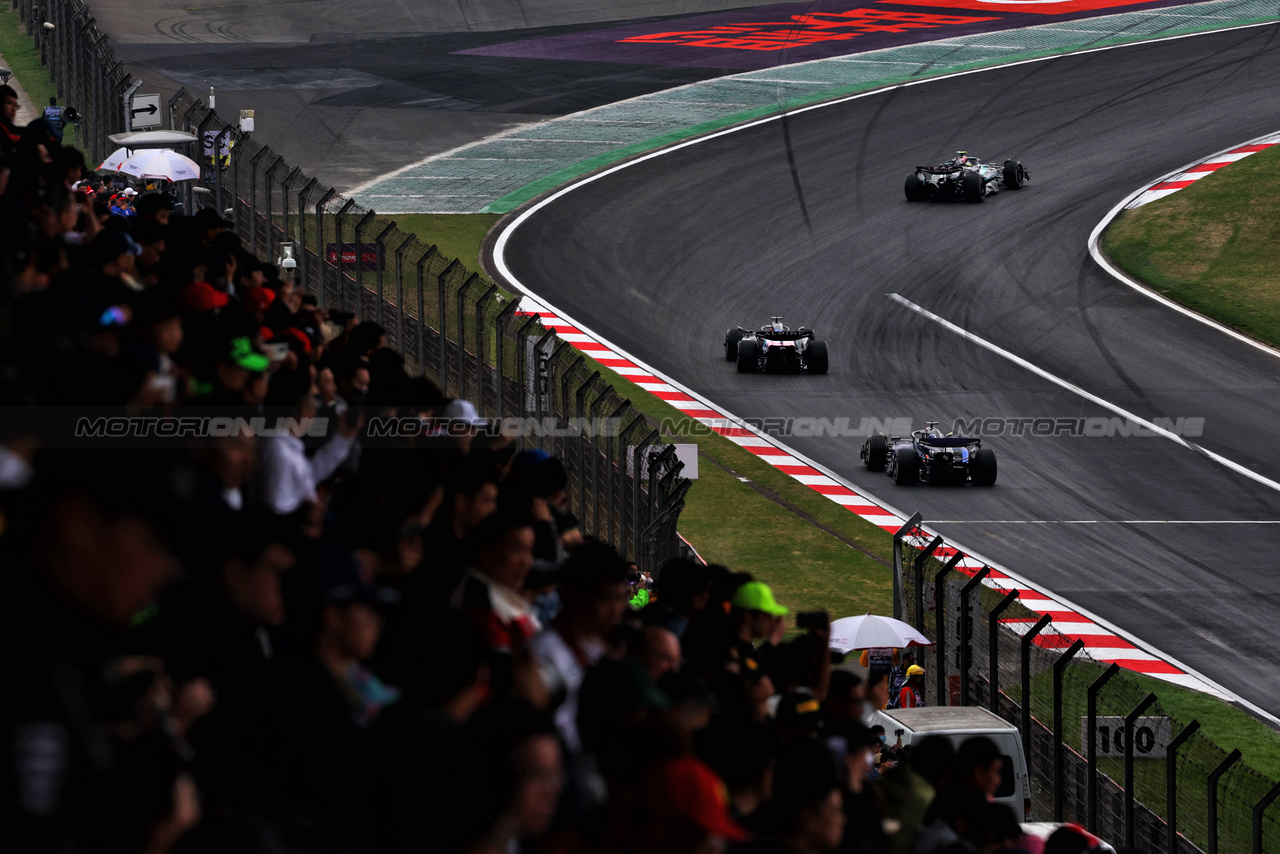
(754, 596)
(243, 354)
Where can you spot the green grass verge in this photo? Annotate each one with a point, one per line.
(456, 236)
(1212, 246)
(22, 58)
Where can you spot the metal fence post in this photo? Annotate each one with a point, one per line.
(940, 647)
(918, 575)
(553, 364)
(1129, 722)
(1171, 781)
(253, 195)
(217, 170)
(635, 492)
(236, 217)
(443, 309)
(615, 499)
(1027, 640)
(966, 631)
(522, 370)
(481, 305)
(302, 232)
(399, 255)
(422, 322)
(609, 466)
(324, 200)
(1059, 669)
(358, 235)
(1258, 809)
(379, 243)
(1091, 749)
(1216, 773)
(579, 398)
(177, 96)
(562, 414)
(504, 317)
(993, 647)
(907, 527)
(269, 226)
(462, 333)
(284, 200)
(339, 219)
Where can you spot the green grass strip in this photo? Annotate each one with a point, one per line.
(1212, 246)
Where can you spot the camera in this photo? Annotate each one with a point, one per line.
(811, 620)
(899, 732)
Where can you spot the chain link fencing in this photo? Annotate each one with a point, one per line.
(449, 323)
(1100, 749)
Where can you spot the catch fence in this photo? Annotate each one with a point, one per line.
(1100, 748)
(450, 324)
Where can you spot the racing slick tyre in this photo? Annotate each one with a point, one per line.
(731, 339)
(747, 356)
(906, 470)
(915, 189)
(877, 449)
(984, 467)
(1014, 175)
(816, 359)
(973, 189)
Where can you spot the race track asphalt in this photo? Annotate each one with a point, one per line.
(806, 218)
(354, 92)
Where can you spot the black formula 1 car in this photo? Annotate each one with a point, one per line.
(927, 456)
(964, 177)
(775, 348)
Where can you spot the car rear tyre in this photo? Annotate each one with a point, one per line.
(747, 356)
(877, 449)
(816, 358)
(973, 188)
(731, 339)
(906, 469)
(984, 467)
(1014, 175)
(915, 189)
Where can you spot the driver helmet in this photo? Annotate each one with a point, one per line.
(778, 327)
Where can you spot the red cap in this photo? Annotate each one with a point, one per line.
(202, 296)
(265, 334)
(300, 337)
(692, 790)
(258, 299)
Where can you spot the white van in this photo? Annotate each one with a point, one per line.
(957, 723)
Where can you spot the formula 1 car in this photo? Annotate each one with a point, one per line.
(775, 348)
(927, 456)
(964, 177)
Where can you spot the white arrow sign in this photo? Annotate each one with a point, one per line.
(144, 112)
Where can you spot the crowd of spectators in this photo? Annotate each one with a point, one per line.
(307, 640)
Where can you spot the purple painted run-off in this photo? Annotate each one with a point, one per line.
(902, 25)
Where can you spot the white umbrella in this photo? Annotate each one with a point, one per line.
(161, 163)
(115, 159)
(868, 630)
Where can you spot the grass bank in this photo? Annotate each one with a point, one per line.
(1213, 246)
